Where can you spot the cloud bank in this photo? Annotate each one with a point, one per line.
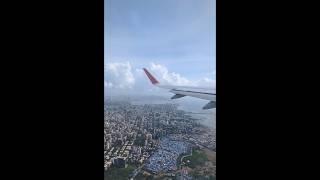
(122, 77)
(119, 75)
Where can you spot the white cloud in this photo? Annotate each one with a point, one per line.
(108, 84)
(172, 78)
(165, 76)
(206, 82)
(119, 75)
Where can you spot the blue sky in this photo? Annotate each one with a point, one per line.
(176, 39)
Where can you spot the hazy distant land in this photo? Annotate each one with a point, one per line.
(188, 104)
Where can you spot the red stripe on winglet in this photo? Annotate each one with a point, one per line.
(152, 79)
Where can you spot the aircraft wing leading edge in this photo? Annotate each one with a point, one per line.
(181, 91)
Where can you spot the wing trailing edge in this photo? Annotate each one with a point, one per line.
(179, 91)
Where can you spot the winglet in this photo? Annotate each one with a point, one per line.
(152, 79)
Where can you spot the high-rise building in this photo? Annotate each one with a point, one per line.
(149, 137)
(108, 145)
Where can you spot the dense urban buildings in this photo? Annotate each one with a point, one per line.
(152, 138)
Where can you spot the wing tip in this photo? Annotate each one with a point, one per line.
(151, 78)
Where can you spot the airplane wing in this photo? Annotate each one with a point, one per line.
(181, 91)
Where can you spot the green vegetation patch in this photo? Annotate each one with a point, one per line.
(119, 173)
(198, 158)
(198, 176)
